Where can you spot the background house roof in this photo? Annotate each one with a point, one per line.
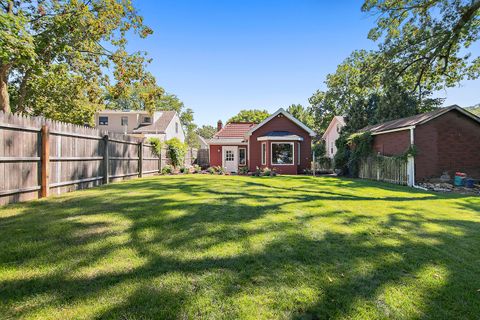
(160, 125)
(339, 119)
(234, 130)
(416, 120)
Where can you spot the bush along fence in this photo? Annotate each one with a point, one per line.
(39, 157)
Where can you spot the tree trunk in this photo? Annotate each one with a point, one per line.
(22, 92)
(4, 97)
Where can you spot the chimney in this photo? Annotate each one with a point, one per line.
(219, 125)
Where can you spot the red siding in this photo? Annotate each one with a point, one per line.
(448, 143)
(281, 123)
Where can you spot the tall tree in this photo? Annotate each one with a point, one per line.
(425, 39)
(72, 41)
(355, 78)
(253, 115)
(303, 114)
(206, 131)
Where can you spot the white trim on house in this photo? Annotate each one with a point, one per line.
(393, 130)
(286, 114)
(233, 141)
(282, 164)
(280, 138)
(263, 153)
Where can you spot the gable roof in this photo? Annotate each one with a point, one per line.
(234, 130)
(160, 125)
(408, 122)
(339, 119)
(286, 114)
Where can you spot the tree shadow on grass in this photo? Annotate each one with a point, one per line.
(208, 248)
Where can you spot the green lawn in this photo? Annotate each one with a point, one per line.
(201, 246)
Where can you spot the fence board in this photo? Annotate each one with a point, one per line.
(387, 169)
(77, 157)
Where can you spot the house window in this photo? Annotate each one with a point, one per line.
(338, 128)
(264, 153)
(242, 159)
(124, 121)
(103, 121)
(229, 155)
(147, 120)
(298, 153)
(331, 148)
(176, 127)
(282, 153)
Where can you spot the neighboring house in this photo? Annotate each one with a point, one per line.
(281, 142)
(162, 124)
(331, 135)
(203, 144)
(447, 139)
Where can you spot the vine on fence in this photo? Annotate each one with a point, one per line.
(176, 151)
(157, 146)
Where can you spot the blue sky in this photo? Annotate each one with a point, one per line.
(223, 56)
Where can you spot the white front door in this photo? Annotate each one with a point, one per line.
(230, 158)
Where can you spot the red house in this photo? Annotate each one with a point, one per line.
(446, 139)
(281, 142)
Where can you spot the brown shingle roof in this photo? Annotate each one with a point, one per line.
(234, 130)
(415, 120)
(160, 125)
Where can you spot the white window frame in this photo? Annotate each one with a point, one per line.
(122, 120)
(176, 127)
(282, 164)
(240, 164)
(298, 153)
(264, 153)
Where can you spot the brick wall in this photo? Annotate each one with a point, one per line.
(448, 143)
(392, 144)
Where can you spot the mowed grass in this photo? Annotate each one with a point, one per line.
(225, 247)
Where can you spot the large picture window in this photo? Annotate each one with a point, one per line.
(282, 153)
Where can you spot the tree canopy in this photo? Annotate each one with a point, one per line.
(55, 56)
(206, 131)
(425, 40)
(252, 115)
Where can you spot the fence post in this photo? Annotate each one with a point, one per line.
(140, 159)
(106, 161)
(45, 160)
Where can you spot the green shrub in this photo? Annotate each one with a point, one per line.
(157, 146)
(197, 169)
(243, 170)
(176, 151)
(220, 170)
(211, 170)
(167, 169)
(184, 170)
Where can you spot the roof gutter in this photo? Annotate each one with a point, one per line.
(393, 130)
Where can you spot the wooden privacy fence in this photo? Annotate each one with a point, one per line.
(381, 168)
(39, 157)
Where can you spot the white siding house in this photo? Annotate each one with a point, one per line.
(331, 135)
(161, 124)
